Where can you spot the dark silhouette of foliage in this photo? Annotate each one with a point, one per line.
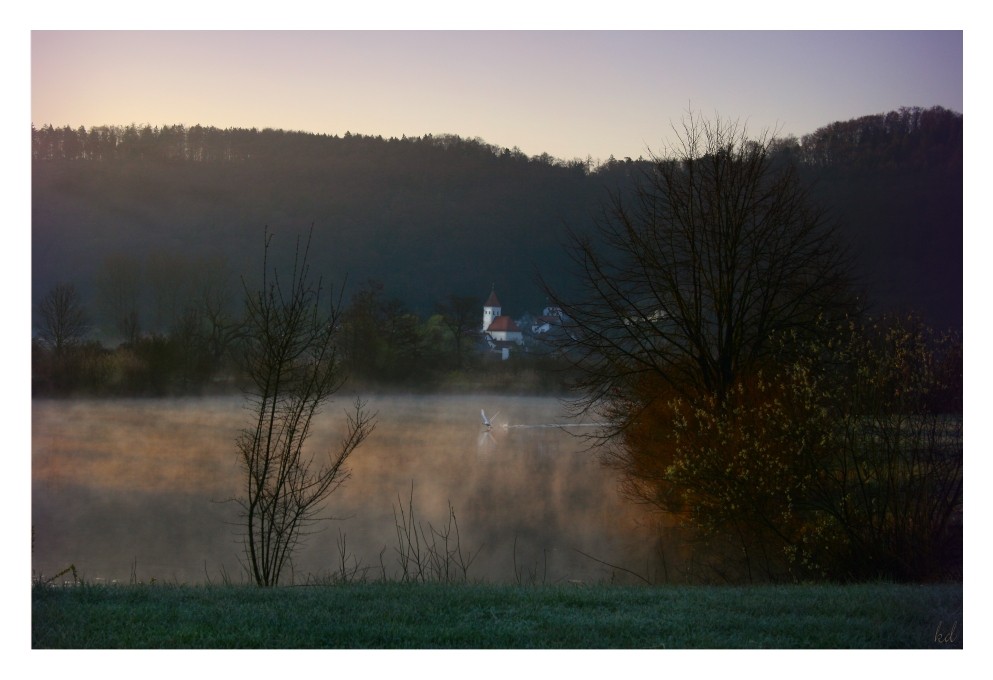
(383, 341)
(844, 463)
(118, 285)
(460, 316)
(910, 136)
(63, 320)
(890, 480)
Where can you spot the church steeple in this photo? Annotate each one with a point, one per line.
(491, 309)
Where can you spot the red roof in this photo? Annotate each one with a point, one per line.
(503, 323)
(492, 301)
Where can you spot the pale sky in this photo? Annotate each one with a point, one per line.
(570, 94)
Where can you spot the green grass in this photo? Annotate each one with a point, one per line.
(394, 615)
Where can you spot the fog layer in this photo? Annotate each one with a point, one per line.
(123, 481)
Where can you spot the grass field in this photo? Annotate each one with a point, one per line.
(395, 615)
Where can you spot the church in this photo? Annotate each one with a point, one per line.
(500, 332)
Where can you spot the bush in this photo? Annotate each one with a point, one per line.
(893, 482)
(845, 464)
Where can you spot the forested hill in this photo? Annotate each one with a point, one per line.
(895, 180)
(436, 215)
(921, 138)
(428, 216)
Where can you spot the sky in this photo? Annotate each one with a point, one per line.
(571, 94)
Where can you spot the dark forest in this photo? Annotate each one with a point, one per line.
(438, 215)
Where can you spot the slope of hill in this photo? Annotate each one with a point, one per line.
(437, 215)
(428, 216)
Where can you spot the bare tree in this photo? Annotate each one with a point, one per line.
(292, 360)
(119, 289)
(62, 319)
(460, 316)
(698, 285)
(686, 280)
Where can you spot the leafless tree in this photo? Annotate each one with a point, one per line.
(62, 319)
(460, 316)
(292, 360)
(119, 289)
(686, 279)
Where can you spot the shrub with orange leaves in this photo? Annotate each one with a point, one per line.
(843, 464)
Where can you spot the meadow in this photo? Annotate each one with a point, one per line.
(397, 615)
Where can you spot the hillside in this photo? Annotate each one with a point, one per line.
(431, 216)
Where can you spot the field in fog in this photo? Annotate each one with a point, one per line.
(120, 480)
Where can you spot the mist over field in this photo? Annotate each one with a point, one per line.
(122, 480)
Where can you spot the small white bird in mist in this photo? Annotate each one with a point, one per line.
(486, 421)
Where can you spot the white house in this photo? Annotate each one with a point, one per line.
(551, 316)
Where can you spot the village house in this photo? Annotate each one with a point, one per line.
(501, 334)
(550, 317)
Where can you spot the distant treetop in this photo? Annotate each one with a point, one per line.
(211, 144)
(911, 135)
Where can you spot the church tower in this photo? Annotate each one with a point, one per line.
(491, 310)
